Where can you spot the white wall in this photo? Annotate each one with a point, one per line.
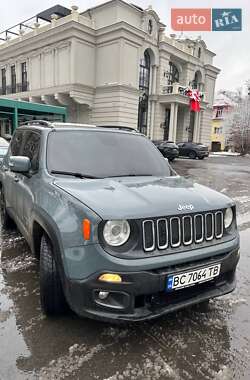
(48, 62)
(84, 63)
(108, 64)
(115, 106)
(209, 89)
(114, 12)
(63, 65)
(206, 122)
(35, 72)
(130, 64)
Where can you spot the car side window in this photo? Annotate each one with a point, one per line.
(16, 144)
(31, 148)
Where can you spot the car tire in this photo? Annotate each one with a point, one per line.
(192, 155)
(6, 220)
(201, 158)
(51, 293)
(171, 159)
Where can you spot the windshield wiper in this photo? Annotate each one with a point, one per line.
(130, 175)
(74, 174)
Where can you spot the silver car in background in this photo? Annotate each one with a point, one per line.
(4, 146)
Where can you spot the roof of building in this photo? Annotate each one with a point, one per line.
(222, 100)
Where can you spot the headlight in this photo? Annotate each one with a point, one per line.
(228, 217)
(116, 232)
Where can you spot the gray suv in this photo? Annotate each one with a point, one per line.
(119, 236)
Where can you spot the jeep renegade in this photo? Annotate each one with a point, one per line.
(119, 235)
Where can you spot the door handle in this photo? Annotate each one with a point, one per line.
(16, 179)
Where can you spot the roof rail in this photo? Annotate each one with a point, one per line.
(41, 123)
(68, 125)
(120, 127)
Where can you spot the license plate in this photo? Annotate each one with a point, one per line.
(197, 276)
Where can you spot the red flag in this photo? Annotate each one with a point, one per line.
(195, 99)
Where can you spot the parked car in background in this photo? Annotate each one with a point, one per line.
(168, 149)
(193, 150)
(4, 145)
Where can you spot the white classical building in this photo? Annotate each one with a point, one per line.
(111, 64)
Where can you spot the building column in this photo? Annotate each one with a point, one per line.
(173, 122)
(199, 129)
(196, 127)
(152, 120)
(154, 78)
(15, 119)
(29, 73)
(152, 103)
(73, 49)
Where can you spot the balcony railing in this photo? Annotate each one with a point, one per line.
(3, 90)
(22, 87)
(11, 89)
(15, 88)
(174, 89)
(177, 89)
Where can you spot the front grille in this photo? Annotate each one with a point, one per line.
(148, 235)
(172, 232)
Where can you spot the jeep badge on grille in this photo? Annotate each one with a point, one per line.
(189, 207)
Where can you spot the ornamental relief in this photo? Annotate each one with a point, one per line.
(150, 26)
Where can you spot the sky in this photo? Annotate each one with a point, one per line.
(232, 48)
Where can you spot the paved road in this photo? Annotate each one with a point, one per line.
(185, 345)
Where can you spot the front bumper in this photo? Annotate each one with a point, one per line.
(202, 154)
(171, 155)
(142, 295)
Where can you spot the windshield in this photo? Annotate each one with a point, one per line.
(104, 154)
(3, 151)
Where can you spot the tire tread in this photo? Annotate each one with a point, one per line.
(51, 293)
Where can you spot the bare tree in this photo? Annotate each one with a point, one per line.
(237, 126)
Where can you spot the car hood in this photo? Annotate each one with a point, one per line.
(142, 197)
(172, 145)
(202, 147)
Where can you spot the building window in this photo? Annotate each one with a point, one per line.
(24, 84)
(3, 75)
(218, 130)
(219, 112)
(196, 84)
(13, 79)
(150, 26)
(172, 74)
(144, 79)
(199, 52)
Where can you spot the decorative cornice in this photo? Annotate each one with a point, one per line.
(118, 87)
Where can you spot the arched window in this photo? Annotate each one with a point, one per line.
(144, 80)
(173, 74)
(196, 84)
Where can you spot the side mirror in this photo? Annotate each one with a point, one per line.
(19, 164)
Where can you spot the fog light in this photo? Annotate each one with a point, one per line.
(103, 295)
(110, 277)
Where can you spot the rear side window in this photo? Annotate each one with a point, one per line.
(31, 148)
